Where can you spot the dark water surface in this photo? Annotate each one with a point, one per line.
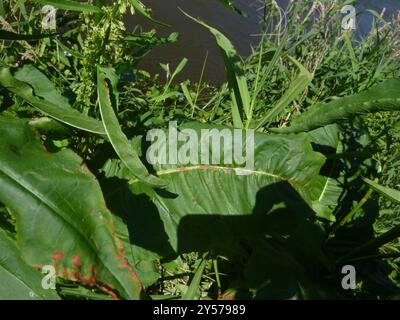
(195, 42)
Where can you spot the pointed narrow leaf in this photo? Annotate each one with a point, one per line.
(187, 95)
(68, 116)
(193, 288)
(389, 193)
(382, 97)
(235, 73)
(140, 7)
(228, 4)
(296, 88)
(117, 138)
(42, 86)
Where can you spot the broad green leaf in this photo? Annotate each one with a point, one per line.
(144, 268)
(49, 125)
(19, 281)
(329, 184)
(296, 88)
(235, 73)
(71, 5)
(148, 239)
(7, 35)
(42, 86)
(114, 132)
(226, 197)
(57, 223)
(58, 111)
(382, 97)
(141, 8)
(389, 193)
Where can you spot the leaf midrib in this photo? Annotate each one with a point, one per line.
(220, 168)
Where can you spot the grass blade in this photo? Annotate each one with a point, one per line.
(354, 62)
(171, 78)
(235, 73)
(195, 283)
(280, 48)
(296, 88)
(188, 96)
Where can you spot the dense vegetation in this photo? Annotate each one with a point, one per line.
(77, 193)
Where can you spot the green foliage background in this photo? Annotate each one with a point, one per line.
(76, 192)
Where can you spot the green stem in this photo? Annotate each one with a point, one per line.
(374, 257)
(373, 244)
(217, 278)
(351, 214)
(108, 32)
(99, 16)
(83, 292)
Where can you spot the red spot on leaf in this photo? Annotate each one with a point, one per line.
(75, 276)
(58, 255)
(108, 291)
(76, 261)
(123, 264)
(121, 250)
(65, 273)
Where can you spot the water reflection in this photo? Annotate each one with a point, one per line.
(195, 41)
